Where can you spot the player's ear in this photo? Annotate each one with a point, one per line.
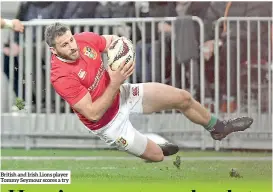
(53, 50)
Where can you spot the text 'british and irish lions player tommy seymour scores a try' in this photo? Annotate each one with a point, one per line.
(103, 102)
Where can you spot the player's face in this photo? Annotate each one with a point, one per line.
(66, 47)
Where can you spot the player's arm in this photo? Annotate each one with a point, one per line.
(97, 109)
(71, 90)
(94, 111)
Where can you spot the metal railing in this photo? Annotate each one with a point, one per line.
(247, 63)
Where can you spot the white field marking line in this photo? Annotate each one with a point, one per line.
(95, 158)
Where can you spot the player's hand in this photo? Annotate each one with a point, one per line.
(17, 25)
(121, 74)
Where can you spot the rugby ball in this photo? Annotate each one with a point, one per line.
(120, 50)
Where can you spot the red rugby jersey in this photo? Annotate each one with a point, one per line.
(72, 81)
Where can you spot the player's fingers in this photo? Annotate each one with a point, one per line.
(133, 63)
(130, 71)
(126, 67)
(121, 66)
(131, 66)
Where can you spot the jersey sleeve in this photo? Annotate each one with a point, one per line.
(70, 89)
(98, 40)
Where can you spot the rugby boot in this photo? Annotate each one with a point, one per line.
(224, 128)
(169, 148)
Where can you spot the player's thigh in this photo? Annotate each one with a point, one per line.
(152, 152)
(131, 140)
(158, 97)
(122, 135)
(132, 96)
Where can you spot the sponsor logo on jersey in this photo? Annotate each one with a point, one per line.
(82, 74)
(135, 91)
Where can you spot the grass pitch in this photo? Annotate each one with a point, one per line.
(199, 171)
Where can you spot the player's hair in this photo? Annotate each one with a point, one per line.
(54, 30)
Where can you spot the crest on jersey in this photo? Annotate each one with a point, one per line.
(89, 52)
(121, 142)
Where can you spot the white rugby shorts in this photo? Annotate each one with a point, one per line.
(119, 132)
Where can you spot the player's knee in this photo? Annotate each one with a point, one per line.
(153, 152)
(156, 156)
(159, 157)
(185, 100)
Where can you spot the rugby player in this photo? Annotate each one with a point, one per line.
(103, 102)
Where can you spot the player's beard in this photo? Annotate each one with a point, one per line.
(68, 57)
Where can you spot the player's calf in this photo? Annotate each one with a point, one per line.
(156, 152)
(139, 145)
(153, 152)
(198, 114)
